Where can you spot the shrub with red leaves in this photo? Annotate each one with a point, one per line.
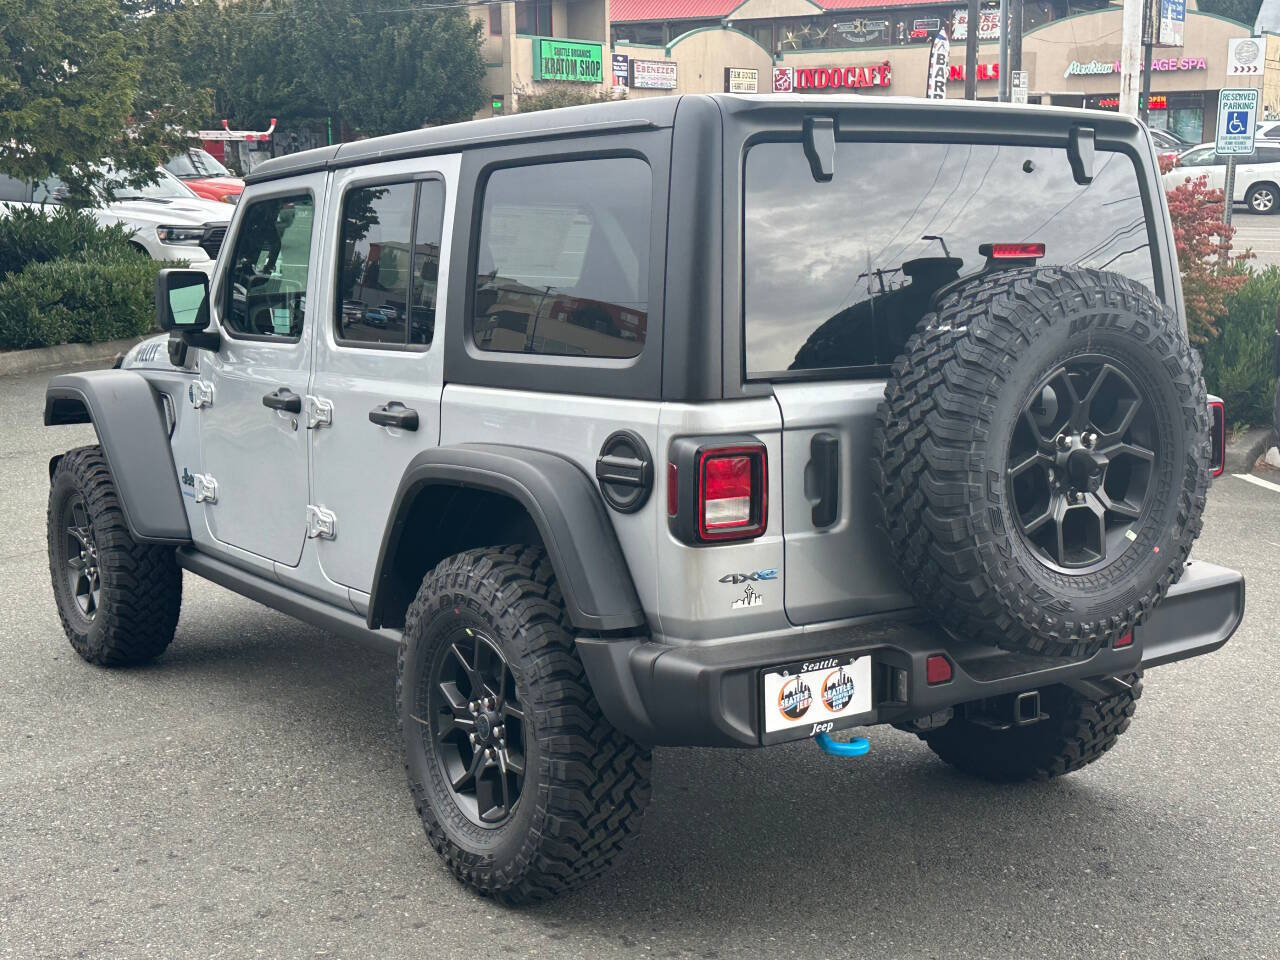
(1209, 273)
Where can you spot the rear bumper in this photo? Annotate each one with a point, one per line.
(708, 694)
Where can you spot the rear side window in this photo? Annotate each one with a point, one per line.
(1265, 155)
(387, 287)
(563, 260)
(837, 275)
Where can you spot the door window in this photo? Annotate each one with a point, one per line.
(563, 263)
(373, 293)
(266, 293)
(387, 285)
(1202, 157)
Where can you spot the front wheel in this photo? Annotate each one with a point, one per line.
(1263, 198)
(524, 788)
(118, 599)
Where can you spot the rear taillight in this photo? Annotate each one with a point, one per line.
(717, 489)
(731, 493)
(1218, 436)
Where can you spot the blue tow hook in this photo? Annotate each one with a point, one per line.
(856, 747)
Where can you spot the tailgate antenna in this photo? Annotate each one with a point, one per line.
(857, 747)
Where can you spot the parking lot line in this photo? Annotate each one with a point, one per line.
(1259, 481)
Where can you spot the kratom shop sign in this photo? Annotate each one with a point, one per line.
(1105, 67)
(575, 61)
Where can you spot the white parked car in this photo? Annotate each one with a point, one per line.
(168, 220)
(1257, 183)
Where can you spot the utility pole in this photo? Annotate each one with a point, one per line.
(971, 53)
(1002, 85)
(1149, 28)
(1130, 57)
(1015, 41)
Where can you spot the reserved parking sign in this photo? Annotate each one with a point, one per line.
(1237, 116)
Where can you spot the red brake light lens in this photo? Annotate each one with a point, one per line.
(937, 669)
(1016, 251)
(731, 493)
(1124, 641)
(1218, 437)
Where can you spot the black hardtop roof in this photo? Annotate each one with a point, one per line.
(658, 112)
(541, 124)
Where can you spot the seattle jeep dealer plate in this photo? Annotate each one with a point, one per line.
(816, 693)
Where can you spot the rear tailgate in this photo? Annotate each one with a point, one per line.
(838, 273)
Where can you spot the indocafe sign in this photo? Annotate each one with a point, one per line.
(797, 79)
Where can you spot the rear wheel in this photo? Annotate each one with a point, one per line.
(1076, 733)
(118, 599)
(524, 788)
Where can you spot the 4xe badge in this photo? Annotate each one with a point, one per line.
(755, 576)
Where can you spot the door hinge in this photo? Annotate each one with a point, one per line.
(206, 488)
(319, 412)
(200, 394)
(321, 523)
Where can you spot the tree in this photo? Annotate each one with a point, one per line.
(69, 94)
(369, 70)
(1242, 11)
(1209, 273)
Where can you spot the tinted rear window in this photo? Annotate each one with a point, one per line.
(563, 265)
(838, 274)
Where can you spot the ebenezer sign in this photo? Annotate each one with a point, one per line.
(790, 79)
(571, 60)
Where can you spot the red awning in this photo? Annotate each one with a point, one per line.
(632, 11)
(648, 11)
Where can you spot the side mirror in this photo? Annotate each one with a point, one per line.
(182, 309)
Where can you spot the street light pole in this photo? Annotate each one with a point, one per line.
(1130, 57)
(1149, 28)
(1002, 85)
(971, 54)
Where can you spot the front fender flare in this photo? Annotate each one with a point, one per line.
(565, 507)
(134, 436)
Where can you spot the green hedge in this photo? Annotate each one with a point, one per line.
(74, 301)
(36, 235)
(1239, 365)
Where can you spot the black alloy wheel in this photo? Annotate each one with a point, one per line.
(84, 578)
(1080, 464)
(476, 725)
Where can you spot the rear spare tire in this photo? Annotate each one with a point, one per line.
(1043, 457)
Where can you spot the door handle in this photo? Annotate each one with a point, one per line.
(824, 453)
(284, 399)
(394, 414)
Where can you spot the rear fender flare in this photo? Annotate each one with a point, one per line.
(565, 507)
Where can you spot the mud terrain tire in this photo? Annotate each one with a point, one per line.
(981, 436)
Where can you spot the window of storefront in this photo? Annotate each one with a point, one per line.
(495, 19)
(653, 34)
(1185, 114)
(534, 17)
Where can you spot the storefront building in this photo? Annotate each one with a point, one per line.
(878, 47)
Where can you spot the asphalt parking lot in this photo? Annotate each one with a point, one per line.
(244, 797)
(1259, 233)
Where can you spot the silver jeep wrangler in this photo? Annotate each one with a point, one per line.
(715, 421)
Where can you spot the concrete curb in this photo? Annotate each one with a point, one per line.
(1248, 446)
(64, 354)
